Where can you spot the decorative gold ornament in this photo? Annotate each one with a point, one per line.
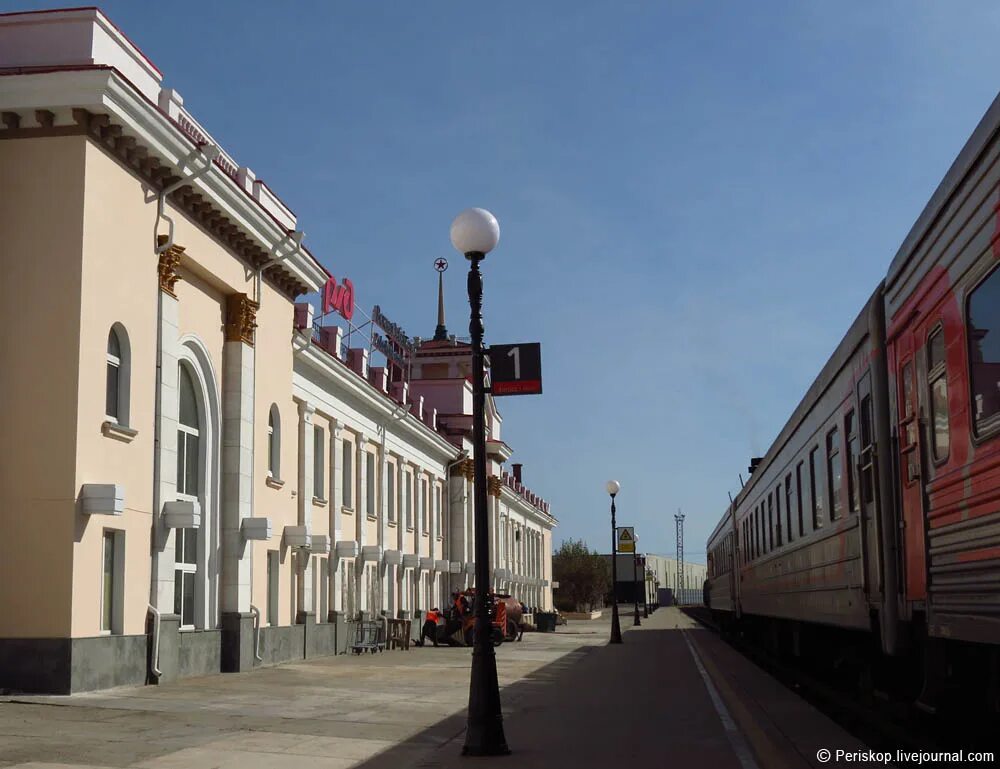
(241, 318)
(493, 486)
(167, 268)
(468, 469)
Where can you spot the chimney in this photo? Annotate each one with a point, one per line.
(754, 462)
(517, 471)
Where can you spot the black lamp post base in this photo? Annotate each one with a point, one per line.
(484, 733)
(616, 627)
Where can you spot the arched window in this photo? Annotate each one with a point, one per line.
(116, 398)
(189, 464)
(274, 443)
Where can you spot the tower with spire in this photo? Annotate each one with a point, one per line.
(441, 332)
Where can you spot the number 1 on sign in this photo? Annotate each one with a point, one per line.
(515, 353)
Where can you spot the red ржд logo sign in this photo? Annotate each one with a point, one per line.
(339, 298)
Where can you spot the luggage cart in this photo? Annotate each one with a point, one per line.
(368, 637)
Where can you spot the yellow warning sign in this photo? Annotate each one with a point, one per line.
(626, 539)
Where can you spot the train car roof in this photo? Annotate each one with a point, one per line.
(841, 355)
(985, 132)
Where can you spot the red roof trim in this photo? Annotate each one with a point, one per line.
(88, 8)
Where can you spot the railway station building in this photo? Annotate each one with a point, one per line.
(203, 473)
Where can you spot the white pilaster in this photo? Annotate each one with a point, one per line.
(162, 589)
(305, 497)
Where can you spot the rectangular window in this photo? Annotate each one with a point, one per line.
(983, 318)
(370, 486)
(185, 572)
(408, 499)
(937, 380)
(439, 510)
(788, 506)
(777, 515)
(112, 581)
(769, 541)
(111, 397)
(798, 494)
(273, 570)
(390, 490)
(347, 478)
(834, 473)
(816, 488)
(853, 460)
(319, 464)
(867, 451)
(323, 612)
(424, 513)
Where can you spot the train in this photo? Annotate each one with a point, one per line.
(867, 538)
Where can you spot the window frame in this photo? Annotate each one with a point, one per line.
(408, 497)
(852, 452)
(391, 468)
(834, 451)
(347, 474)
(122, 363)
(938, 372)
(371, 484)
(274, 443)
(817, 470)
(977, 435)
(319, 464)
(112, 618)
(788, 508)
(273, 587)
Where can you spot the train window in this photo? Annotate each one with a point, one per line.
(937, 382)
(798, 495)
(788, 505)
(777, 515)
(853, 458)
(983, 317)
(909, 434)
(816, 483)
(867, 451)
(756, 533)
(770, 523)
(834, 475)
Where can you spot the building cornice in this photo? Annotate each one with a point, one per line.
(343, 381)
(133, 118)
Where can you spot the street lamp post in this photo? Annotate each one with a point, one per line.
(635, 589)
(475, 232)
(616, 630)
(645, 590)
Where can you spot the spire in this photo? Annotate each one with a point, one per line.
(441, 333)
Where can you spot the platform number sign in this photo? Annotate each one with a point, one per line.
(626, 539)
(516, 369)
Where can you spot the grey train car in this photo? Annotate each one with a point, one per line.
(868, 536)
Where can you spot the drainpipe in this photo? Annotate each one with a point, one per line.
(256, 633)
(155, 662)
(209, 152)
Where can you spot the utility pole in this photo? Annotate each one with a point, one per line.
(679, 520)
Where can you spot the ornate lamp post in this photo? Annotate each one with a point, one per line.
(475, 232)
(616, 629)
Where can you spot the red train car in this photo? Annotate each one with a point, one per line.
(876, 511)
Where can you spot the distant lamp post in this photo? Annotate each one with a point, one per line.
(616, 630)
(474, 233)
(635, 587)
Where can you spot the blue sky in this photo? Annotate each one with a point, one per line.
(695, 199)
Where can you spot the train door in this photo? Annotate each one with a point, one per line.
(864, 491)
(909, 438)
